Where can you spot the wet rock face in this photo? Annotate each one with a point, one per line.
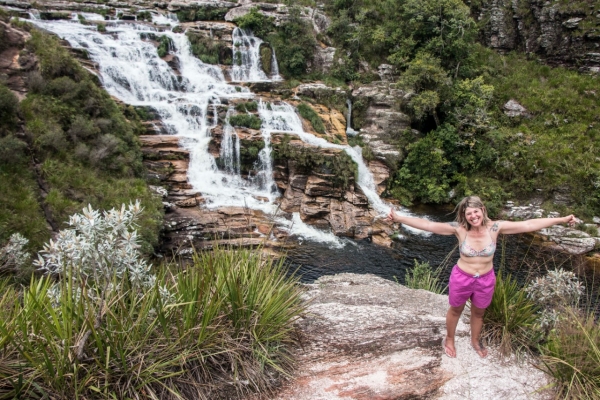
(324, 203)
(563, 33)
(368, 338)
(320, 202)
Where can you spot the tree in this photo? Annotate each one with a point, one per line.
(428, 82)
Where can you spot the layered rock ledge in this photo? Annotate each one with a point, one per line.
(365, 337)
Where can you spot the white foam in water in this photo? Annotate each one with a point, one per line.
(187, 103)
(296, 227)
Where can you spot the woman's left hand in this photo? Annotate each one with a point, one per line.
(570, 220)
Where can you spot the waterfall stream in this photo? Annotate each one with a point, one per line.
(187, 104)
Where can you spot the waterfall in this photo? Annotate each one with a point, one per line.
(188, 101)
(246, 58)
(349, 130)
(230, 147)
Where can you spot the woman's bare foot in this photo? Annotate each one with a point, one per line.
(449, 348)
(479, 349)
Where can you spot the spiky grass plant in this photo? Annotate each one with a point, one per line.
(510, 320)
(229, 327)
(423, 277)
(571, 356)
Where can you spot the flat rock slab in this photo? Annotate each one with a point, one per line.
(365, 337)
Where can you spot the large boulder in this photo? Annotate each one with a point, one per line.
(365, 337)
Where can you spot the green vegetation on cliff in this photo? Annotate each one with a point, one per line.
(66, 145)
(455, 93)
(293, 40)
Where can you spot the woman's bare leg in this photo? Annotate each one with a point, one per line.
(452, 317)
(476, 326)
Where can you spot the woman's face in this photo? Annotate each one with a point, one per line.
(474, 216)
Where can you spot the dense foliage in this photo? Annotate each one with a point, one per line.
(67, 144)
(455, 93)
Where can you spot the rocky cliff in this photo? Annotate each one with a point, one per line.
(561, 32)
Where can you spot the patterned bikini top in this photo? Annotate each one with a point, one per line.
(468, 251)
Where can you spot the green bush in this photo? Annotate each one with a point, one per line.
(266, 58)
(340, 166)
(307, 112)
(257, 22)
(225, 320)
(202, 14)
(248, 106)
(144, 16)
(208, 50)
(164, 45)
(246, 120)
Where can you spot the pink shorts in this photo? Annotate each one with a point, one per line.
(463, 287)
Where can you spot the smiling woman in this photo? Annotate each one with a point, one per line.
(473, 277)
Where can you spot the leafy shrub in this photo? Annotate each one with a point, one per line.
(165, 44)
(256, 22)
(97, 248)
(202, 14)
(144, 16)
(422, 277)
(101, 27)
(246, 120)
(510, 320)
(307, 112)
(343, 169)
(9, 105)
(248, 106)
(266, 58)
(209, 50)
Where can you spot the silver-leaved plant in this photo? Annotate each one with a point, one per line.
(555, 292)
(13, 255)
(97, 248)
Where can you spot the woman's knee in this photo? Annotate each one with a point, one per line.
(456, 311)
(477, 312)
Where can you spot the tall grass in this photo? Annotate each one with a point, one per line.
(510, 320)
(223, 331)
(572, 356)
(423, 277)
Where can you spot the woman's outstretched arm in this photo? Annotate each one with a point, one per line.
(531, 225)
(441, 228)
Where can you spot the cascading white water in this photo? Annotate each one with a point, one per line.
(230, 147)
(246, 58)
(132, 71)
(349, 130)
(246, 55)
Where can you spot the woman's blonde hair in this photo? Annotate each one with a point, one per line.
(472, 202)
